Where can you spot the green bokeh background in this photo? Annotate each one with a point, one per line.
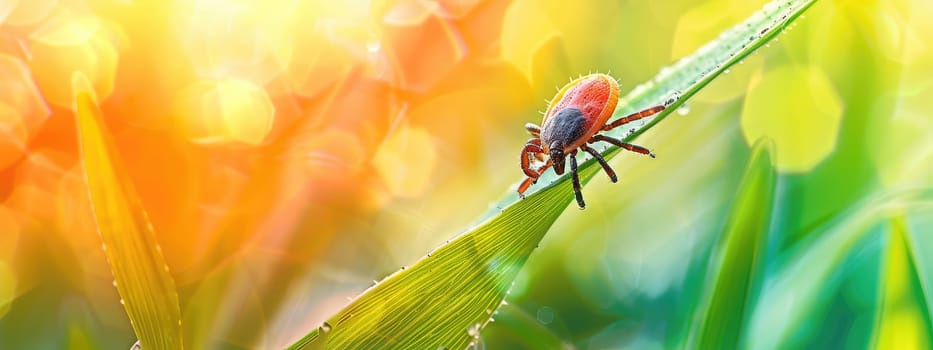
(841, 93)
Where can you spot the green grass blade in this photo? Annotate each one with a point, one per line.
(904, 320)
(448, 296)
(142, 279)
(675, 84)
(792, 296)
(737, 273)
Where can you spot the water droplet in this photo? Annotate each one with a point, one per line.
(683, 109)
(404, 267)
(165, 267)
(726, 71)
(488, 312)
(442, 347)
(326, 327)
(504, 302)
(768, 45)
(122, 302)
(349, 298)
(545, 315)
(114, 283)
(672, 98)
(473, 331)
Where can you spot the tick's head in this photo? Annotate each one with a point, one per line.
(557, 159)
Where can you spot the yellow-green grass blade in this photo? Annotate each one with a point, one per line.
(445, 299)
(737, 273)
(140, 273)
(904, 319)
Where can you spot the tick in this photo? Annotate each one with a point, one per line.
(573, 120)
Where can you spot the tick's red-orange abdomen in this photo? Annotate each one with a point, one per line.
(595, 95)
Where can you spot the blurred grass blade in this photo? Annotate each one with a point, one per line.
(790, 300)
(147, 289)
(737, 273)
(445, 299)
(523, 331)
(904, 320)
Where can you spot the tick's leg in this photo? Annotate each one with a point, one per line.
(532, 147)
(537, 140)
(532, 180)
(602, 162)
(633, 117)
(617, 142)
(524, 187)
(533, 129)
(543, 168)
(576, 180)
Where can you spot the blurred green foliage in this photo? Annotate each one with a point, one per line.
(835, 93)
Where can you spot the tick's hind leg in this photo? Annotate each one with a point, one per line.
(576, 180)
(633, 117)
(602, 162)
(627, 146)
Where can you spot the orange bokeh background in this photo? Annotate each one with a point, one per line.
(254, 131)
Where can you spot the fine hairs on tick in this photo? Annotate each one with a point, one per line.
(573, 120)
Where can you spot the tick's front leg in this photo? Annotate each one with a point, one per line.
(532, 147)
(533, 129)
(530, 181)
(577, 191)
